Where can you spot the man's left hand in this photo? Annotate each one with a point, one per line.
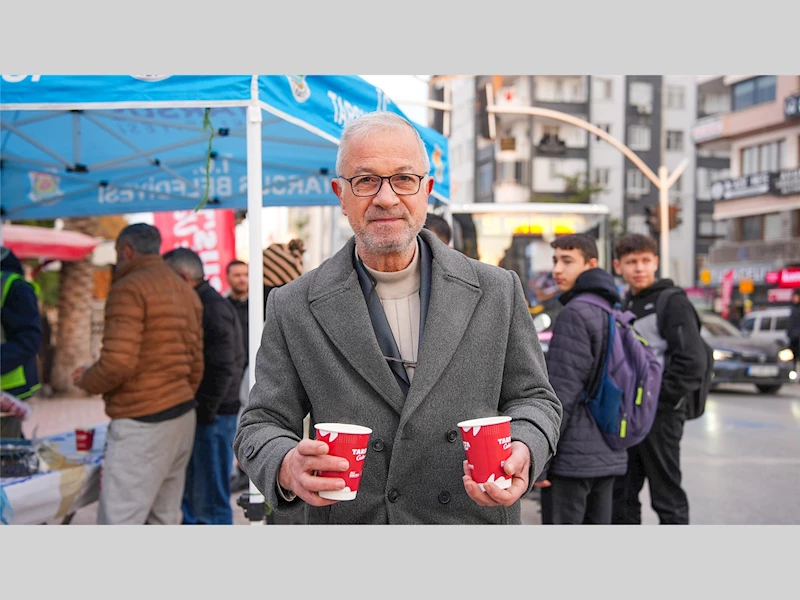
(517, 465)
(77, 375)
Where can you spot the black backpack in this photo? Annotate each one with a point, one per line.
(697, 399)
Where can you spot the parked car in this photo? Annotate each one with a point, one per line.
(767, 324)
(765, 363)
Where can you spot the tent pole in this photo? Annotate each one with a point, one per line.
(256, 508)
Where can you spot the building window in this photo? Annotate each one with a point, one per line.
(708, 227)
(602, 88)
(773, 226)
(509, 172)
(754, 91)
(674, 140)
(750, 228)
(485, 180)
(640, 94)
(705, 177)
(713, 103)
(764, 157)
(605, 127)
(750, 160)
(639, 137)
(675, 97)
(636, 183)
(601, 176)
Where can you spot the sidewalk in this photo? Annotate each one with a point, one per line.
(55, 415)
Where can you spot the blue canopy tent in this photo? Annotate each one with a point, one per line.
(96, 145)
(90, 145)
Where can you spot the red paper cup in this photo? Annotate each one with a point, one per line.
(346, 441)
(487, 443)
(84, 439)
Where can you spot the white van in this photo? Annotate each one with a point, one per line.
(767, 324)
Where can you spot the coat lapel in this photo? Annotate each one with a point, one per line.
(337, 303)
(454, 294)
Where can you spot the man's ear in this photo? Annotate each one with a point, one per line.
(617, 267)
(593, 262)
(339, 191)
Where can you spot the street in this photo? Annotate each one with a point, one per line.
(741, 460)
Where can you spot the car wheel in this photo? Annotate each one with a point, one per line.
(769, 389)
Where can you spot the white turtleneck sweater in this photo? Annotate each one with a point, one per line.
(399, 295)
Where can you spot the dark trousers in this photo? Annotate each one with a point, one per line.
(656, 459)
(207, 494)
(573, 501)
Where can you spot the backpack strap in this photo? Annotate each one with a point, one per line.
(662, 303)
(594, 300)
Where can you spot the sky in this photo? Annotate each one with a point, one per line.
(404, 87)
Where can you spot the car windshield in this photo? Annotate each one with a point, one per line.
(715, 326)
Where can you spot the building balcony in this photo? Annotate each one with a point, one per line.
(561, 89)
(708, 129)
(786, 251)
(511, 192)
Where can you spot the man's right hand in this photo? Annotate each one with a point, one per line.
(298, 468)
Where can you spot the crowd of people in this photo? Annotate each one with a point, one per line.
(397, 332)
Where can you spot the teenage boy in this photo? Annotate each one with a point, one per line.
(674, 336)
(581, 474)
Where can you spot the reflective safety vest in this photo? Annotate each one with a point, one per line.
(15, 378)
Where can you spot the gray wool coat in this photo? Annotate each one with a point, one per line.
(479, 356)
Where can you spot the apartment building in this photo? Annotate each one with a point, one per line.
(757, 205)
(537, 158)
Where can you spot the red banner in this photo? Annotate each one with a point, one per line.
(210, 233)
(785, 278)
(726, 292)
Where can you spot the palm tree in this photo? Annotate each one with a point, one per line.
(73, 343)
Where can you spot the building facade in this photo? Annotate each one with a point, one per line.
(757, 205)
(544, 160)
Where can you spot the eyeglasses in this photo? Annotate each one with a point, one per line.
(402, 184)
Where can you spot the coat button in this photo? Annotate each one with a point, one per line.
(250, 451)
(394, 495)
(444, 497)
(452, 435)
(377, 445)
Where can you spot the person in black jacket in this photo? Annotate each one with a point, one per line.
(21, 337)
(674, 336)
(236, 275)
(581, 474)
(793, 331)
(206, 498)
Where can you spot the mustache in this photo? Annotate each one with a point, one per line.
(372, 215)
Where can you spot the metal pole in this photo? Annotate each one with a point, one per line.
(255, 294)
(663, 219)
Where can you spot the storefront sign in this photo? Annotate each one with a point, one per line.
(777, 183)
(779, 295)
(785, 278)
(756, 184)
(756, 273)
(791, 107)
(787, 182)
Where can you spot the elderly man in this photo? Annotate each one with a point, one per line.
(149, 370)
(408, 337)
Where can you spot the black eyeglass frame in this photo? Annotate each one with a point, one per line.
(382, 178)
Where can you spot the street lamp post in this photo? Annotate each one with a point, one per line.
(663, 181)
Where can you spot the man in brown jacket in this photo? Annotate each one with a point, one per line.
(149, 370)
